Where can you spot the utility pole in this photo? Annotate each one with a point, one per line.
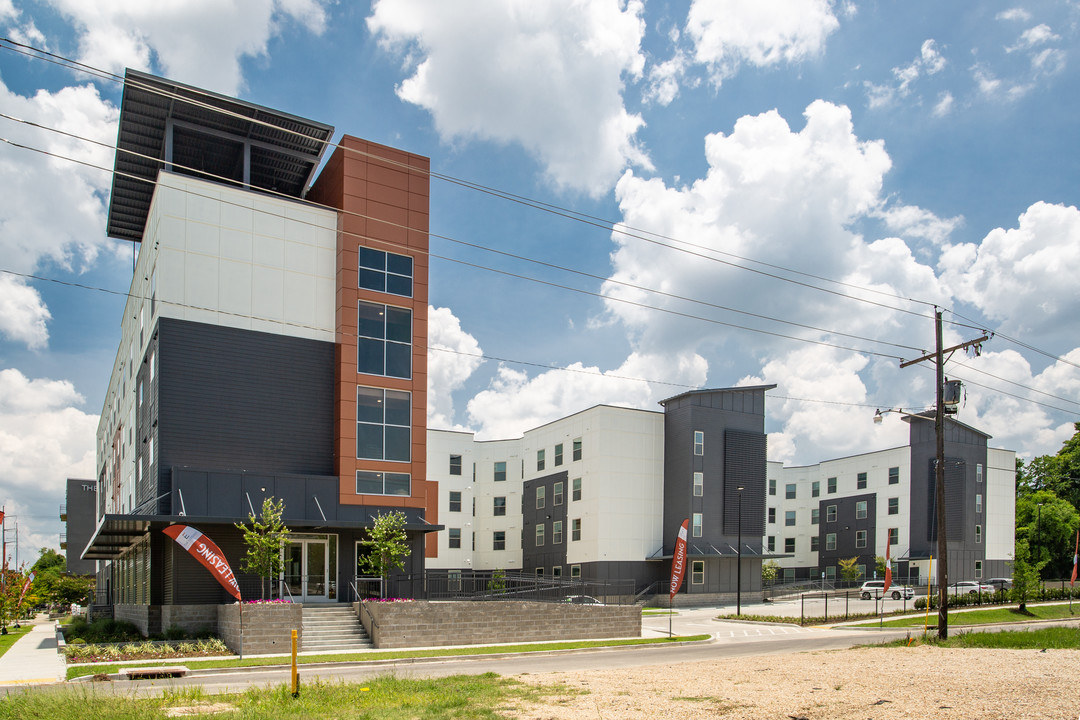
(938, 356)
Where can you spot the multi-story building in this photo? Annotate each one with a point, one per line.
(273, 345)
(78, 517)
(851, 507)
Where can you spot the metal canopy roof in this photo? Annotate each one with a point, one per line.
(203, 132)
(117, 533)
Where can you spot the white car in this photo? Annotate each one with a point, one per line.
(969, 587)
(876, 589)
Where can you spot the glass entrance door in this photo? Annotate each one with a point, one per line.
(307, 571)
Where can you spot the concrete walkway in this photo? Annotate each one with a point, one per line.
(33, 659)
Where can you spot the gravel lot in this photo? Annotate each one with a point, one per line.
(918, 682)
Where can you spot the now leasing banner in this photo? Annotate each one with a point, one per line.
(678, 561)
(206, 552)
(888, 570)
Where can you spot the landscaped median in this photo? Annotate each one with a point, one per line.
(991, 616)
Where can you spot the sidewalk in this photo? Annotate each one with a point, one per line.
(33, 658)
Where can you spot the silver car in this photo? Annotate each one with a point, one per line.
(876, 589)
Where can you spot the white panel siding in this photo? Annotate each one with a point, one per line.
(1000, 478)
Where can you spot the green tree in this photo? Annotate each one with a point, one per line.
(1048, 525)
(1059, 474)
(1026, 580)
(879, 566)
(265, 536)
(769, 571)
(387, 545)
(849, 569)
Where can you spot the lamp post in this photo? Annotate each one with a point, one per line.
(1038, 533)
(738, 567)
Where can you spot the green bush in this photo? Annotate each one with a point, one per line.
(102, 630)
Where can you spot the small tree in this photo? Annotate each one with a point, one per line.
(879, 566)
(1025, 575)
(497, 583)
(264, 538)
(769, 571)
(387, 545)
(849, 568)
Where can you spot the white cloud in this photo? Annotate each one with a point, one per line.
(44, 439)
(944, 104)
(200, 42)
(453, 356)
(1038, 35)
(728, 33)
(23, 315)
(664, 78)
(916, 222)
(929, 62)
(7, 11)
(548, 76)
(1014, 14)
(1023, 277)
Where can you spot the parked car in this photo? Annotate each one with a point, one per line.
(1000, 583)
(581, 600)
(969, 587)
(876, 588)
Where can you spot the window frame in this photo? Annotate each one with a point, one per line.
(790, 490)
(455, 469)
(575, 530)
(455, 501)
(402, 348)
(772, 516)
(815, 543)
(541, 459)
(789, 545)
(576, 449)
(697, 572)
(557, 494)
(695, 525)
(893, 536)
(860, 538)
(500, 472)
(894, 476)
(369, 270)
(815, 489)
(894, 506)
(830, 542)
(575, 491)
(398, 478)
(498, 540)
(699, 484)
(830, 486)
(860, 481)
(789, 518)
(699, 443)
(400, 397)
(453, 535)
(830, 513)
(496, 506)
(558, 454)
(540, 535)
(556, 532)
(861, 509)
(815, 516)
(541, 497)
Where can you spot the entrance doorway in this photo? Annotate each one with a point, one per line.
(310, 568)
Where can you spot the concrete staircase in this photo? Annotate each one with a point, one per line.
(332, 627)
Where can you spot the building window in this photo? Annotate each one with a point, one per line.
(539, 572)
(789, 545)
(978, 503)
(577, 449)
(455, 464)
(500, 471)
(860, 538)
(771, 542)
(699, 484)
(558, 455)
(384, 340)
(978, 466)
(830, 541)
(894, 506)
(978, 533)
(386, 272)
(697, 525)
(815, 488)
(455, 501)
(575, 571)
(499, 540)
(772, 515)
(894, 536)
(772, 486)
(540, 535)
(383, 424)
(815, 516)
(978, 569)
(556, 571)
(500, 506)
(472, 537)
(831, 485)
(862, 570)
(455, 538)
(860, 510)
(789, 491)
(699, 442)
(576, 492)
(894, 476)
(789, 518)
(815, 542)
(830, 513)
(697, 572)
(575, 529)
(558, 499)
(860, 481)
(556, 532)
(153, 366)
(541, 497)
(453, 580)
(540, 460)
(830, 573)
(379, 483)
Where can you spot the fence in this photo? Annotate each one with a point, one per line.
(497, 585)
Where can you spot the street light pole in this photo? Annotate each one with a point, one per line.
(1038, 535)
(738, 568)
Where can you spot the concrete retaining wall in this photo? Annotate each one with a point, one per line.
(267, 628)
(189, 618)
(426, 624)
(145, 617)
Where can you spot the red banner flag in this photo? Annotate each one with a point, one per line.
(678, 562)
(206, 552)
(25, 587)
(1076, 556)
(888, 570)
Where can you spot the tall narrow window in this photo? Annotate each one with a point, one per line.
(500, 471)
(894, 476)
(697, 572)
(541, 497)
(383, 424)
(815, 488)
(697, 525)
(540, 535)
(831, 483)
(815, 543)
(772, 515)
(815, 516)
(558, 455)
(789, 518)
(860, 481)
(770, 542)
(789, 491)
(860, 510)
(575, 529)
(978, 472)
(498, 541)
(772, 486)
(789, 545)
(384, 340)
(454, 538)
(540, 460)
(978, 503)
(699, 442)
(499, 507)
(577, 449)
(455, 464)
(830, 541)
(556, 532)
(894, 536)
(830, 513)
(699, 484)
(978, 569)
(455, 501)
(860, 538)
(894, 506)
(386, 272)
(557, 494)
(978, 533)
(576, 492)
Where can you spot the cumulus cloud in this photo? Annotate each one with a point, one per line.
(916, 222)
(200, 42)
(44, 439)
(453, 356)
(729, 33)
(23, 315)
(944, 105)
(7, 10)
(664, 79)
(929, 62)
(548, 76)
(1019, 14)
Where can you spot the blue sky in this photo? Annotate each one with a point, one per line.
(904, 154)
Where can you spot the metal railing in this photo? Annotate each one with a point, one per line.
(498, 585)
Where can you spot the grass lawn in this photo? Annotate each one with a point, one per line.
(647, 612)
(386, 698)
(1046, 638)
(13, 634)
(75, 671)
(985, 617)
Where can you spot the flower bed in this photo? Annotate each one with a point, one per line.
(148, 650)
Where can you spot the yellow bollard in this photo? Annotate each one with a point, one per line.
(295, 672)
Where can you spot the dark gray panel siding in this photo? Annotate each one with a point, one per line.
(550, 554)
(744, 466)
(243, 400)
